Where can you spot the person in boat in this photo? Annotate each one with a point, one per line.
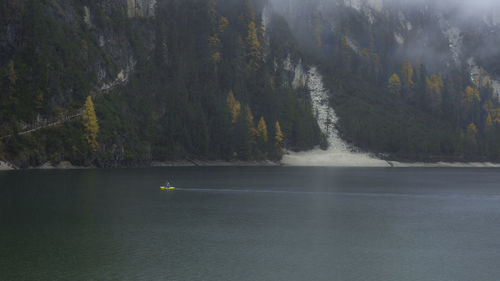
(167, 184)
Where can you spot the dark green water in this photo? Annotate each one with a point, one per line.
(251, 224)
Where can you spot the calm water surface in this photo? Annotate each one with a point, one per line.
(277, 223)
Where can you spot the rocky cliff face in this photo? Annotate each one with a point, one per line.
(444, 35)
(159, 73)
(141, 8)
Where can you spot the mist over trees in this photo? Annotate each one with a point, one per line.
(414, 80)
(195, 81)
(393, 66)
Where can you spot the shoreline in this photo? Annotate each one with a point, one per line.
(396, 164)
(66, 165)
(215, 163)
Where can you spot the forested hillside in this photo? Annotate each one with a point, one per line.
(415, 80)
(130, 82)
(162, 81)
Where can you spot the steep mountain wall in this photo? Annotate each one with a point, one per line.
(160, 75)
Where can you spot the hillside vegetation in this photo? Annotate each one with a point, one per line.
(198, 80)
(126, 83)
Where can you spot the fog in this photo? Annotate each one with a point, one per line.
(444, 33)
(467, 7)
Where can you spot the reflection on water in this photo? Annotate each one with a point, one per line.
(279, 223)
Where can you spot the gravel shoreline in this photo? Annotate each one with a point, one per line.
(66, 165)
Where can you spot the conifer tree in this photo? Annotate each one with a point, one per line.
(278, 140)
(471, 139)
(12, 73)
(251, 125)
(245, 133)
(254, 47)
(317, 30)
(488, 125)
(394, 85)
(471, 103)
(435, 85)
(407, 76)
(346, 52)
(212, 12)
(12, 78)
(470, 96)
(90, 124)
(262, 130)
(218, 26)
(234, 106)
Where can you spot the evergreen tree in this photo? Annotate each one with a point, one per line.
(471, 145)
(254, 46)
(262, 137)
(262, 130)
(12, 74)
(317, 30)
(434, 88)
(278, 141)
(394, 85)
(407, 76)
(90, 124)
(234, 106)
(488, 125)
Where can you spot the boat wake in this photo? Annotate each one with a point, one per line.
(465, 196)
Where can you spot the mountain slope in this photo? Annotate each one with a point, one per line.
(160, 75)
(445, 103)
(184, 79)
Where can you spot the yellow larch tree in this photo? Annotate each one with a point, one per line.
(254, 46)
(262, 130)
(214, 44)
(435, 85)
(212, 11)
(407, 75)
(493, 111)
(223, 24)
(219, 26)
(471, 145)
(488, 125)
(252, 131)
(472, 130)
(394, 85)
(470, 96)
(234, 106)
(250, 122)
(90, 124)
(278, 139)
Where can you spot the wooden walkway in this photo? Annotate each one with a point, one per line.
(35, 128)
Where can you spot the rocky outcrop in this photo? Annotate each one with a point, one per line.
(141, 8)
(4, 166)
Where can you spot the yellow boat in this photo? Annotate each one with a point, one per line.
(167, 188)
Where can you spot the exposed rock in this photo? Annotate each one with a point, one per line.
(141, 8)
(86, 16)
(4, 166)
(339, 153)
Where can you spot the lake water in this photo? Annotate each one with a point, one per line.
(274, 223)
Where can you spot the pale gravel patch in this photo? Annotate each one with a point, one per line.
(339, 153)
(4, 166)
